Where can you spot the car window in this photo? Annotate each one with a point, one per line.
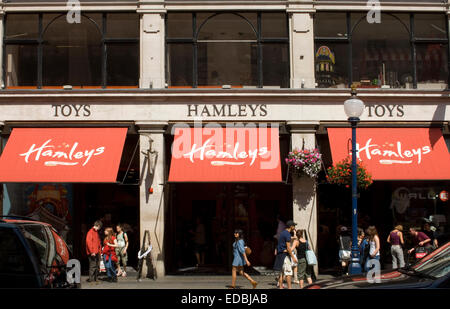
(37, 238)
(437, 266)
(13, 257)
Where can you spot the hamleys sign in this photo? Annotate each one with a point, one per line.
(395, 153)
(231, 154)
(62, 155)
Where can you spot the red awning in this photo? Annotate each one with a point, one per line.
(225, 155)
(395, 153)
(62, 155)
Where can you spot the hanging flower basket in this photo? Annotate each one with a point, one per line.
(305, 162)
(341, 174)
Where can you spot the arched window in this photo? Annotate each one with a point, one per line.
(237, 49)
(227, 51)
(381, 51)
(72, 53)
(45, 50)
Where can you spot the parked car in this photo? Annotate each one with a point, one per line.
(32, 255)
(431, 272)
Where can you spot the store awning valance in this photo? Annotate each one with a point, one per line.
(395, 153)
(62, 155)
(225, 155)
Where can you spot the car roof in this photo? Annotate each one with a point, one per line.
(21, 221)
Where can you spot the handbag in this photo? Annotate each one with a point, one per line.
(248, 251)
(310, 256)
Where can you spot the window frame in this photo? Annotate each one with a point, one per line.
(39, 41)
(193, 41)
(413, 40)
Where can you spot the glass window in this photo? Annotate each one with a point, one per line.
(432, 66)
(430, 26)
(331, 65)
(72, 53)
(228, 27)
(22, 26)
(274, 25)
(13, 257)
(21, 65)
(180, 64)
(179, 25)
(381, 53)
(330, 25)
(122, 25)
(275, 65)
(227, 63)
(229, 51)
(122, 64)
(37, 239)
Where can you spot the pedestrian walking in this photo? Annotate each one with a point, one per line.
(94, 250)
(345, 244)
(294, 246)
(304, 270)
(420, 239)
(364, 248)
(285, 257)
(239, 260)
(109, 254)
(121, 250)
(199, 242)
(395, 238)
(374, 245)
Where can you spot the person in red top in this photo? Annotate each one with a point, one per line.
(109, 254)
(93, 250)
(420, 239)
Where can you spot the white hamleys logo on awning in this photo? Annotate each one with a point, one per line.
(392, 153)
(63, 154)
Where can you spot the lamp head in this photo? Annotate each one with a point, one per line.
(353, 107)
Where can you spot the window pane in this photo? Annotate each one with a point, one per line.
(72, 54)
(122, 64)
(276, 65)
(330, 25)
(274, 25)
(331, 65)
(179, 65)
(179, 25)
(227, 64)
(122, 25)
(430, 26)
(432, 66)
(22, 26)
(381, 54)
(228, 27)
(21, 65)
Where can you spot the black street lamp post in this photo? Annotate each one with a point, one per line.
(354, 109)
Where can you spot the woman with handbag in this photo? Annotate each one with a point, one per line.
(240, 259)
(109, 254)
(304, 270)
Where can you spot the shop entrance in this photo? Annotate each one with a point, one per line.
(204, 216)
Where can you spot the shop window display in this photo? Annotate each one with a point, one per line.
(243, 50)
(403, 51)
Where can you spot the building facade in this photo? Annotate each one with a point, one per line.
(147, 67)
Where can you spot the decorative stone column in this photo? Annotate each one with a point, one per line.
(304, 188)
(301, 24)
(152, 207)
(152, 44)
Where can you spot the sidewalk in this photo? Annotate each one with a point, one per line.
(186, 282)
